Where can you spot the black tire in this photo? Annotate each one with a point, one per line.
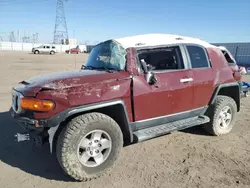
(36, 52)
(52, 52)
(70, 137)
(213, 127)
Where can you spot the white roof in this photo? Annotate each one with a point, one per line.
(159, 39)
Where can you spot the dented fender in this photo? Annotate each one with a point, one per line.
(56, 121)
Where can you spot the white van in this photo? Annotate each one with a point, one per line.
(83, 48)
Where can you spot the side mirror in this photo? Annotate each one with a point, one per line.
(150, 68)
(146, 67)
(150, 76)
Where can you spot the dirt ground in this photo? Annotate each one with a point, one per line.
(189, 158)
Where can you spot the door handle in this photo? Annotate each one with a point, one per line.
(185, 80)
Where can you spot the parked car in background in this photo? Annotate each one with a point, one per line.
(73, 51)
(44, 49)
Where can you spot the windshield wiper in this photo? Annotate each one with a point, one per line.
(106, 69)
(88, 67)
(98, 68)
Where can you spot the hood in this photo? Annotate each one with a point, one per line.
(67, 79)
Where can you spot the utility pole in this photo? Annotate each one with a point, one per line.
(35, 37)
(61, 30)
(26, 39)
(18, 38)
(12, 36)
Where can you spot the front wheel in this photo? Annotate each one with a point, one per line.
(89, 145)
(222, 115)
(52, 52)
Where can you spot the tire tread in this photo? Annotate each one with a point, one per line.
(214, 109)
(68, 131)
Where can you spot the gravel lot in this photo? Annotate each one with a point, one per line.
(189, 158)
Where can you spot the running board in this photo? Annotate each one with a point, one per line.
(159, 130)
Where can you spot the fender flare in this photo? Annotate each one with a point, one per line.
(219, 87)
(56, 121)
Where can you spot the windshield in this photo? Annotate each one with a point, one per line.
(108, 55)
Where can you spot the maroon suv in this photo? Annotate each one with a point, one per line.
(129, 90)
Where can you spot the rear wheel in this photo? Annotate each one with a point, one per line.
(52, 52)
(89, 145)
(36, 52)
(222, 115)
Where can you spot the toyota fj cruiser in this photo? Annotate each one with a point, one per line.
(129, 90)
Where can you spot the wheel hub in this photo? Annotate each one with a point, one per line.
(225, 117)
(94, 148)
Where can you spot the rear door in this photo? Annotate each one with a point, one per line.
(202, 74)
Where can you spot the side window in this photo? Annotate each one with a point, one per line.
(160, 59)
(47, 47)
(228, 58)
(198, 57)
(53, 47)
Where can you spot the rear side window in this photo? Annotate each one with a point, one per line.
(198, 57)
(53, 47)
(228, 58)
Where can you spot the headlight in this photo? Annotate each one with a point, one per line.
(16, 100)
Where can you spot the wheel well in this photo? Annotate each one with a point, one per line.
(116, 112)
(233, 92)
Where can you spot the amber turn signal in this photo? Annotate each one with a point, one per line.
(37, 104)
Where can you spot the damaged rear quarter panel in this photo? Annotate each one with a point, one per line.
(222, 73)
(77, 95)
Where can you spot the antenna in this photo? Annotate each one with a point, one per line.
(61, 31)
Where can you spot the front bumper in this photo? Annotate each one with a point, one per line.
(26, 122)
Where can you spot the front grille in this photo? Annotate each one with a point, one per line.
(16, 99)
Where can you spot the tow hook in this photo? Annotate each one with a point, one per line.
(37, 140)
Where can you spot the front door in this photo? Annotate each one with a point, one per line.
(171, 97)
